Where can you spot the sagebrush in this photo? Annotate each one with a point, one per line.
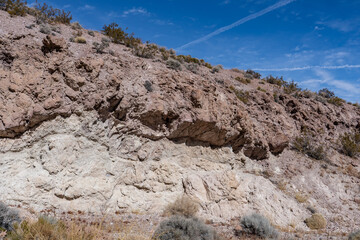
(258, 225)
(182, 206)
(8, 217)
(182, 228)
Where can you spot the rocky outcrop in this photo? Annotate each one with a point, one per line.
(117, 133)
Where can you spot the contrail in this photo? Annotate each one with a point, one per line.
(306, 68)
(237, 23)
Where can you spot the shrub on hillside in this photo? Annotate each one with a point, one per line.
(100, 47)
(91, 33)
(192, 67)
(316, 221)
(307, 145)
(252, 74)
(241, 94)
(14, 7)
(258, 225)
(350, 144)
(44, 13)
(173, 64)
(216, 69)
(80, 40)
(336, 101)
(8, 217)
(326, 93)
(181, 228)
(182, 206)
(119, 36)
(291, 87)
(279, 81)
(243, 80)
(50, 228)
(146, 51)
(45, 29)
(354, 235)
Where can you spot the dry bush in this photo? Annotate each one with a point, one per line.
(241, 94)
(350, 144)
(243, 80)
(182, 206)
(181, 228)
(258, 225)
(252, 74)
(301, 198)
(336, 101)
(316, 221)
(307, 145)
(355, 235)
(45, 13)
(14, 7)
(80, 40)
(46, 228)
(173, 64)
(8, 217)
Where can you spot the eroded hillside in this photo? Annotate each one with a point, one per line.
(93, 132)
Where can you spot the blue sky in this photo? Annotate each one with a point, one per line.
(314, 43)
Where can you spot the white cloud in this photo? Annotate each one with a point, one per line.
(135, 11)
(341, 25)
(87, 7)
(326, 78)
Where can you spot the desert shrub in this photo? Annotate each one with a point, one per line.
(208, 65)
(148, 86)
(165, 54)
(55, 29)
(76, 26)
(50, 228)
(316, 221)
(258, 225)
(216, 69)
(192, 67)
(243, 80)
(100, 47)
(307, 93)
(44, 13)
(182, 206)
(279, 81)
(241, 94)
(119, 36)
(181, 228)
(291, 87)
(336, 101)
(8, 217)
(261, 89)
(31, 26)
(307, 145)
(326, 93)
(301, 198)
(350, 144)
(188, 59)
(252, 74)
(80, 40)
(145, 51)
(354, 235)
(45, 29)
(91, 33)
(14, 7)
(173, 64)
(72, 39)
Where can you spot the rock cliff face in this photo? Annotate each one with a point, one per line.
(115, 132)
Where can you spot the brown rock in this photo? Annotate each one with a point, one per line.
(52, 43)
(278, 143)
